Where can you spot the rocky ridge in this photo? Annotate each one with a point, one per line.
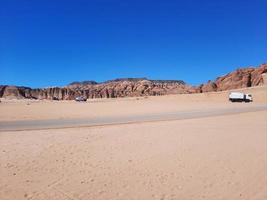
(240, 78)
(130, 87)
(110, 89)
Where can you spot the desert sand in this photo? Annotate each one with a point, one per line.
(222, 157)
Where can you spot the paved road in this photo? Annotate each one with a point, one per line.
(89, 122)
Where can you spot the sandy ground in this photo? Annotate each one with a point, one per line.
(210, 158)
(223, 157)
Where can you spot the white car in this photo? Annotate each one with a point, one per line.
(80, 98)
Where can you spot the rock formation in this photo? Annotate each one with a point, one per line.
(130, 87)
(241, 78)
(110, 89)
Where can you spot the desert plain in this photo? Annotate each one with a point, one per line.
(223, 156)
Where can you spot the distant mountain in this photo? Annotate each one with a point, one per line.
(125, 79)
(83, 83)
(129, 87)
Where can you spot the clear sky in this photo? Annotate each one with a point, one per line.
(53, 42)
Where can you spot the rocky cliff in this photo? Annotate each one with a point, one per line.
(244, 77)
(241, 78)
(110, 89)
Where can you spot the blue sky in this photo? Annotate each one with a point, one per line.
(53, 42)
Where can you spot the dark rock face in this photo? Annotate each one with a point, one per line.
(130, 87)
(2, 89)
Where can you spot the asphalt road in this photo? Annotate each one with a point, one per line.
(101, 121)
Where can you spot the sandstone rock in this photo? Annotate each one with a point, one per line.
(209, 87)
(257, 76)
(110, 89)
(12, 92)
(264, 79)
(241, 78)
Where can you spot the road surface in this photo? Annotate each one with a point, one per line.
(101, 121)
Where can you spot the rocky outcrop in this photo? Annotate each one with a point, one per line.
(241, 78)
(210, 86)
(130, 87)
(2, 89)
(13, 92)
(110, 89)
